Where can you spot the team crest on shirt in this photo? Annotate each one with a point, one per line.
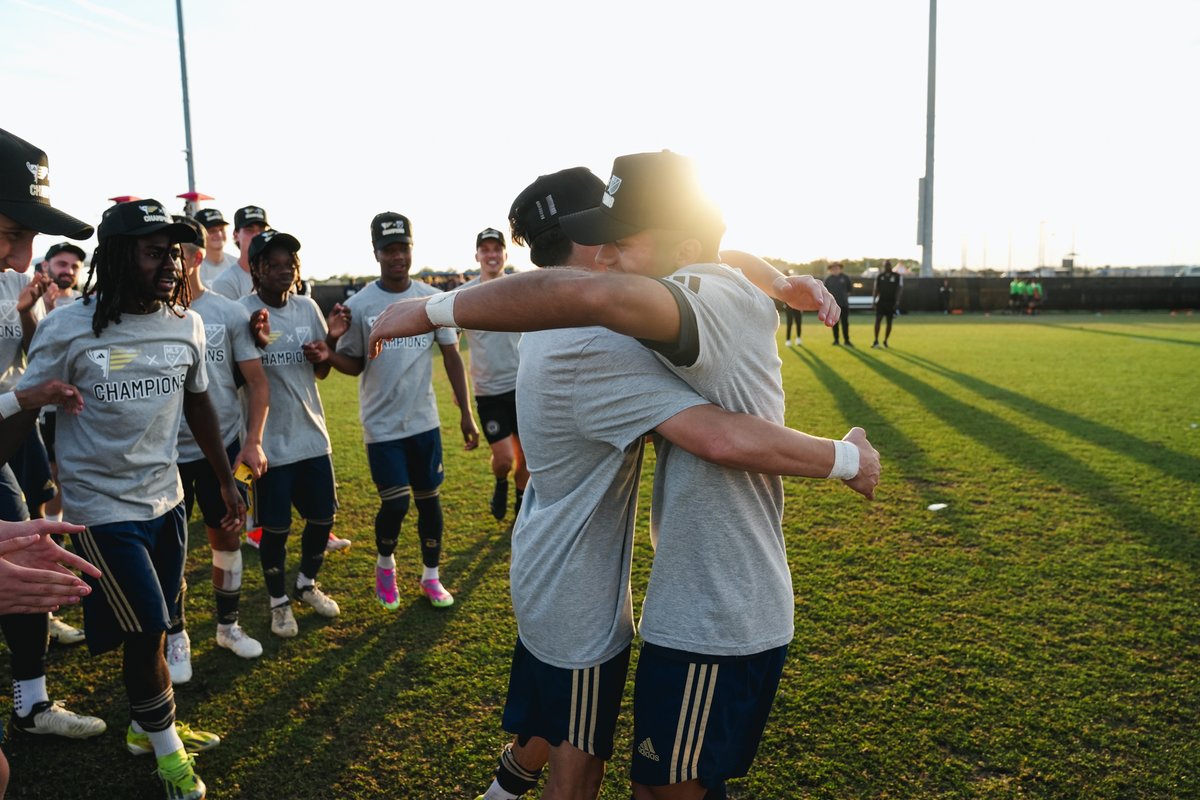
(214, 335)
(8, 310)
(173, 353)
(112, 358)
(303, 333)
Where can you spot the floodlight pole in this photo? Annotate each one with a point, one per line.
(926, 208)
(190, 205)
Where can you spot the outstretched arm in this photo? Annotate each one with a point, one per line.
(457, 375)
(753, 444)
(801, 292)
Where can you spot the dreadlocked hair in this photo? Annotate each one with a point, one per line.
(109, 282)
(259, 265)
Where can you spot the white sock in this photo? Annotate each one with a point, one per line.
(276, 602)
(494, 792)
(163, 742)
(386, 562)
(175, 637)
(55, 517)
(429, 574)
(28, 693)
(303, 580)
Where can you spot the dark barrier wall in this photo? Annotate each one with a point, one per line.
(1059, 294)
(987, 294)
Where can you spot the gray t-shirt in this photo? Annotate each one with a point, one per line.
(116, 459)
(12, 360)
(720, 584)
(593, 394)
(395, 390)
(227, 332)
(209, 272)
(494, 358)
(295, 428)
(234, 283)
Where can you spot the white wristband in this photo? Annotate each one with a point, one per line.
(9, 405)
(845, 461)
(440, 309)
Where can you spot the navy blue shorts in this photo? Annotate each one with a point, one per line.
(308, 485)
(497, 415)
(49, 428)
(12, 499)
(200, 485)
(700, 717)
(31, 465)
(579, 706)
(415, 461)
(142, 564)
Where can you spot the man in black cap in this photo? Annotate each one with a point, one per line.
(25, 483)
(248, 222)
(216, 260)
(61, 265)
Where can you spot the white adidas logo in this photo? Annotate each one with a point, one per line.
(646, 749)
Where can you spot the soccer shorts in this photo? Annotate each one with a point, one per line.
(308, 485)
(700, 717)
(414, 461)
(31, 465)
(200, 485)
(579, 706)
(142, 566)
(497, 415)
(12, 499)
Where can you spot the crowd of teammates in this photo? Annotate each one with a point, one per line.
(681, 344)
(1025, 295)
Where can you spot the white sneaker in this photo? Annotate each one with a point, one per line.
(53, 718)
(322, 603)
(235, 639)
(336, 543)
(62, 633)
(179, 658)
(283, 621)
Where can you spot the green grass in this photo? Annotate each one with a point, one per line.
(1040, 637)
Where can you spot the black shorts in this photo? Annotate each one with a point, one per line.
(700, 717)
(49, 426)
(200, 486)
(497, 415)
(31, 465)
(579, 706)
(883, 309)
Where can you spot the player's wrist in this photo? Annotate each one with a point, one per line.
(9, 405)
(440, 309)
(845, 461)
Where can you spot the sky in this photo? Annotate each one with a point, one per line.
(1062, 126)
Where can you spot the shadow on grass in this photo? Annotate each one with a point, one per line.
(1172, 463)
(1138, 336)
(1016, 445)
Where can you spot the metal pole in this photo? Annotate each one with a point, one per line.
(190, 205)
(927, 200)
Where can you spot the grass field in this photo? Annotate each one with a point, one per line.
(1039, 637)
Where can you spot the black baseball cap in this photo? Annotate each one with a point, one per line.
(196, 227)
(538, 207)
(25, 191)
(248, 215)
(646, 190)
(142, 218)
(489, 233)
(210, 217)
(268, 238)
(389, 227)
(65, 247)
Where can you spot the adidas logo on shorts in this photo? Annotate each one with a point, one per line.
(646, 749)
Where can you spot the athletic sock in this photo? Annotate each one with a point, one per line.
(496, 792)
(429, 574)
(276, 602)
(28, 693)
(303, 580)
(386, 562)
(512, 780)
(164, 742)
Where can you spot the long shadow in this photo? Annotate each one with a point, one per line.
(1156, 339)
(1171, 462)
(895, 448)
(1014, 444)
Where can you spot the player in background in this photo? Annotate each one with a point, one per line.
(887, 299)
(230, 349)
(299, 455)
(216, 260)
(494, 361)
(248, 222)
(398, 408)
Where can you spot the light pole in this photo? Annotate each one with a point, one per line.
(926, 205)
(190, 205)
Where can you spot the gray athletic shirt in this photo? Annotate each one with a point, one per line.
(234, 283)
(720, 584)
(295, 428)
(116, 459)
(395, 390)
(209, 272)
(585, 397)
(227, 333)
(494, 358)
(12, 360)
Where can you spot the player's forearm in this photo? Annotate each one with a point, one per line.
(757, 271)
(749, 443)
(457, 375)
(344, 363)
(321, 370)
(258, 396)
